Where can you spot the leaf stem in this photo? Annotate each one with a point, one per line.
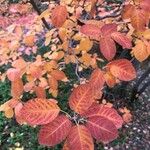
(66, 114)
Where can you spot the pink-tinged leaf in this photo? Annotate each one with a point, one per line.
(81, 98)
(79, 138)
(106, 112)
(97, 79)
(13, 74)
(108, 29)
(122, 40)
(54, 132)
(102, 129)
(91, 30)
(107, 47)
(144, 4)
(40, 111)
(59, 15)
(122, 69)
(18, 114)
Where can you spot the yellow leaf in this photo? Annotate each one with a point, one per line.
(85, 44)
(53, 92)
(9, 113)
(140, 51)
(44, 14)
(146, 34)
(62, 34)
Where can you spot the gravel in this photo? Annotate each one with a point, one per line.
(136, 134)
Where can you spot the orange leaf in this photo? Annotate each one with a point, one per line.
(19, 64)
(58, 75)
(97, 79)
(40, 111)
(40, 92)
(9, 113)
(66, 146)
(110, 79)
(59, 15)
(53, 83)
(35, 71)
(107, 47)
(138, 19)
(29, 40)
(55, 132)
(16, 88)
(127, 117)
(127, 11)
(91, 30)
(102, 129)
(79, 138)
(140, 51)
(122, 69)
(106, 112)
(81, 98)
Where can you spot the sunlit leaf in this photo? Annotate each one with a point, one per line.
(102, 129)
(54, 132)
(59, 15)
(107, 47)
(79, 138)
(91, 30)
(39, 111)
(121, 39)
(122, 69)
(106, 112)
(81, 98)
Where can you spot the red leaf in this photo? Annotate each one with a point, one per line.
(107, 48)
(108, 29)
(102, 129)
(81, 98)
(97, 79)
(54, 132)
(79, 138)
(59, 15)
(122, 40)
(106, 112)
(40, 111)
(91, 30)
(122, 69)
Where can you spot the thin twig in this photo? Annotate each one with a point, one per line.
(39, 13)
(66, 114)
